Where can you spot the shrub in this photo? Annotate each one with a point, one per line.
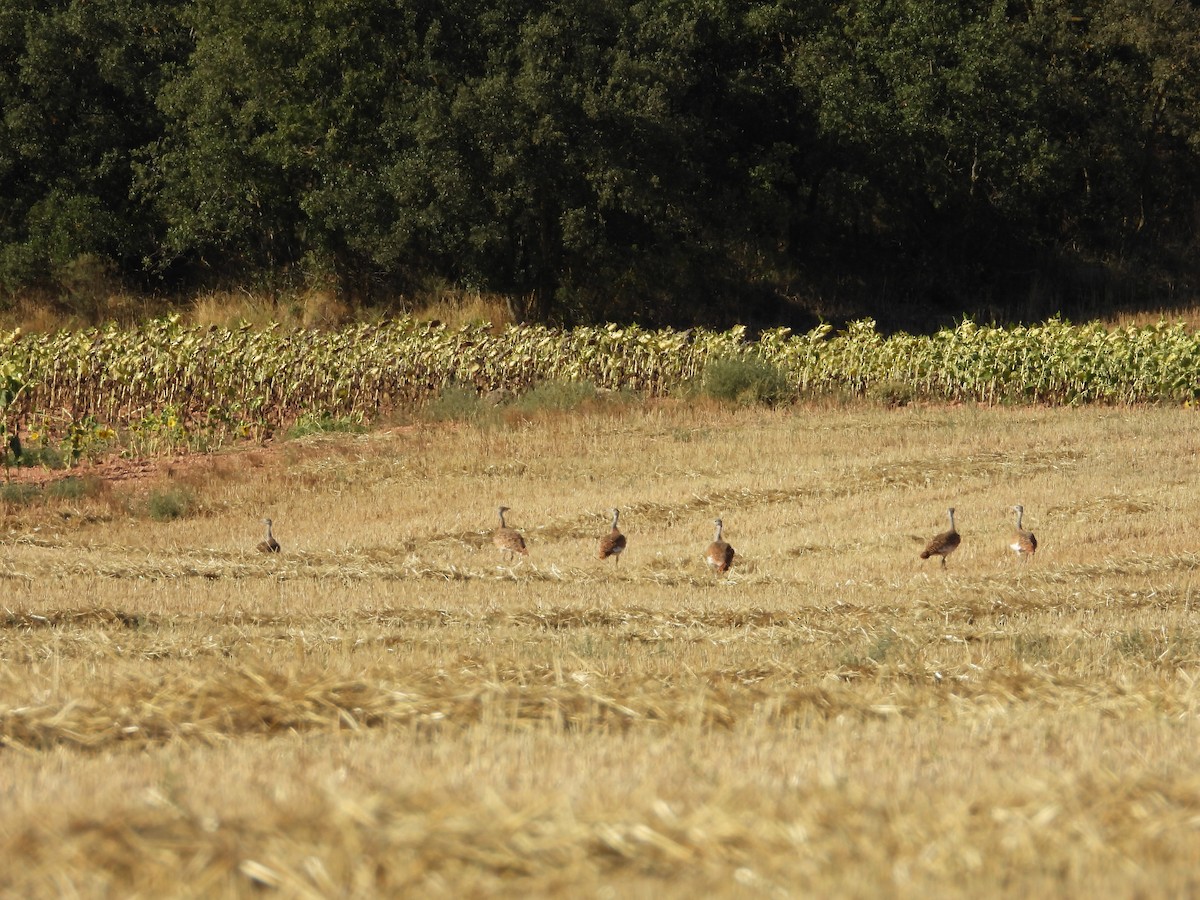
(18, 493)
(49, 457)
(324, 424)
(73, 488)
(172, 503)
(892, 392)
(555, 396)
(458, 403)
(749, 380)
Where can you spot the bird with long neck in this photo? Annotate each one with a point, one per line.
(719, 554)
(613, 543)
(508, 540)
(1023, 543)
(268, 544)
(945, 543)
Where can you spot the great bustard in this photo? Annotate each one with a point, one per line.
(719, 554)
(1022, 543)
(268, 544)
(508, 540)
(943, 544)
(613, 543)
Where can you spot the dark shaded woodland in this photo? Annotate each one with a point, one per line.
(660, 162)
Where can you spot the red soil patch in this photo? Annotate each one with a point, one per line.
(117, 469)
(179, 466)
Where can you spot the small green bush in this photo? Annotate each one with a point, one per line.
(458, 403)
(19, 494)
(324, 424)
(555, 396)
(892, 392)
(69, 488)
(172, 503)
(34, 455)
(73, 488)
(749, 380)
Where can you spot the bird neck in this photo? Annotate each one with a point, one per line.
(616, 516)
(1020, 516)
(717, 539)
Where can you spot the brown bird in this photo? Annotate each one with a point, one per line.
(613, 543)
(268, 544)
(719, 554)
(943, 544)
(508, 540)
(1022, 543)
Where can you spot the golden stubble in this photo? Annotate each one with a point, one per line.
(389, 705)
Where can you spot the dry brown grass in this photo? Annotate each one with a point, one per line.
(307, 309)
(1188, 313)
(320, 308)
(389, 707)
(302, 308)
(457, 308)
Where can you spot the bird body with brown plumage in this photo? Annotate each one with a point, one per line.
(613, 543)
(719, 554)
(1022, 543)
(508, 540)
(945, 543)
(268, 544)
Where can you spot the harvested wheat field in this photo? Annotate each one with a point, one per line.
(390, 705)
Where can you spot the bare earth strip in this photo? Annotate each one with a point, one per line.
(389, 706)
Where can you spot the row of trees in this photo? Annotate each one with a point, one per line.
(653, 159)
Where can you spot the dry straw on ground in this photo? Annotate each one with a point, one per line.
(390, 706)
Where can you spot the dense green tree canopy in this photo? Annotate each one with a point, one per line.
(663, 160)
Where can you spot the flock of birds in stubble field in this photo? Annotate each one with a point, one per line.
(718, 554)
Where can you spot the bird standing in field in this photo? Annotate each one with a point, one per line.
(719, 554)
(268, 544)
(613, 543)
(943, 544)
(508, 540)
(1022, 543)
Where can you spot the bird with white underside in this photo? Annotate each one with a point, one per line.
(719, 554)
(613, 543)
(1023, 543)
(268, 544)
